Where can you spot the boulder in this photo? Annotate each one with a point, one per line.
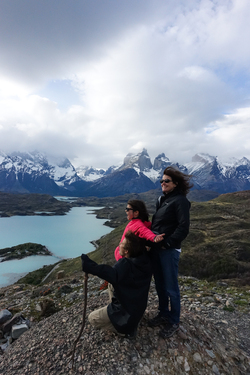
(5, 315)
(18, 329)
(17, 318)
(60, 274)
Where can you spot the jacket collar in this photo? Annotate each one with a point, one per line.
(165, 197)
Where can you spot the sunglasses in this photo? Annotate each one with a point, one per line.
(128, 209)
(166, 181)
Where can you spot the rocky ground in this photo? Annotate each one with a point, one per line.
(214, 335)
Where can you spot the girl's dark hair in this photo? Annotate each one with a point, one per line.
(140, 206)
(134, 244)
(182, 180)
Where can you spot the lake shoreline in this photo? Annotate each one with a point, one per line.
(23, 251)
(65, 237)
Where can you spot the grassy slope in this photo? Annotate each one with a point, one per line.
(217, 247)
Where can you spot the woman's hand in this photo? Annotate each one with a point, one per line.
(159, 237)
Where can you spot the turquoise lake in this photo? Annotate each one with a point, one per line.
(66, 236)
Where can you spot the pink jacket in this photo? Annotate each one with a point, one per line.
(141, 229)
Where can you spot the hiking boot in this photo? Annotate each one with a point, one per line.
(130, 336)
(169, 330)
(158, 320)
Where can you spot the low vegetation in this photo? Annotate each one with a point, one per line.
(31, 204)
(36, 277)
(217, 247)
(22, 251)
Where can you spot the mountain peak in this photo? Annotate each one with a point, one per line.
(35, 172)
(203, 158)
(139, 161)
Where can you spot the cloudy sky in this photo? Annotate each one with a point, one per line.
(94, 80)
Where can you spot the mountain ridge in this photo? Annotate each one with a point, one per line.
(35, 172)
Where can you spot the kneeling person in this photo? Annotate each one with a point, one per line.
(130, 278)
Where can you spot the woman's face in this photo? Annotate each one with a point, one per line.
(130, 213)
(167, 185)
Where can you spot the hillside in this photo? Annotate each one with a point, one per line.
(213, 336)
(214, 329)
(218, 244)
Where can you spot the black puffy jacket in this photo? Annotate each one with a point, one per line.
(172, 218)
(131, 279)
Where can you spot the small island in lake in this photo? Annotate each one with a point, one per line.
(22, 251)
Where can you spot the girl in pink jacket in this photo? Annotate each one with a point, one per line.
(137, 215)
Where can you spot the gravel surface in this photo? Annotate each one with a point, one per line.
(210, 341)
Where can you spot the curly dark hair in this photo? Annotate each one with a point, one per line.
(182, 180)
(134, 244)
(140, 206)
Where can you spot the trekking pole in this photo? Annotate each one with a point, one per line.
(84, 315)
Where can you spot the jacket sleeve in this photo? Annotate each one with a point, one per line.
(116, 253)
(140, 229)
(104, 271)
(182, 229)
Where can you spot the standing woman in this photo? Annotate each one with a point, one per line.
(172, 218)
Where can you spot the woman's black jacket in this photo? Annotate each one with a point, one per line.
(172, 218)
(131, 279)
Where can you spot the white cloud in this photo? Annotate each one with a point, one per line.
(96, 82)
(232, 132)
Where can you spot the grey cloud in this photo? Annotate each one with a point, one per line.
(44, 38)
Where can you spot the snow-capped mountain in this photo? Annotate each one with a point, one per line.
(211, 173)
(35, 172)
(89, 173)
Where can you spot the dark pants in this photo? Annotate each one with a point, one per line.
(165, 269)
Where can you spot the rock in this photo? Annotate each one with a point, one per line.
(48, 307)
(210, 353)
(5, 315)
(72, 296)
(64, 289)
(60, 275)
(18, 329)
(222, 283)
(17, 318)
(215, 370)
(197, 357)
(38, 307)
(186, 365)
(229, 303)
